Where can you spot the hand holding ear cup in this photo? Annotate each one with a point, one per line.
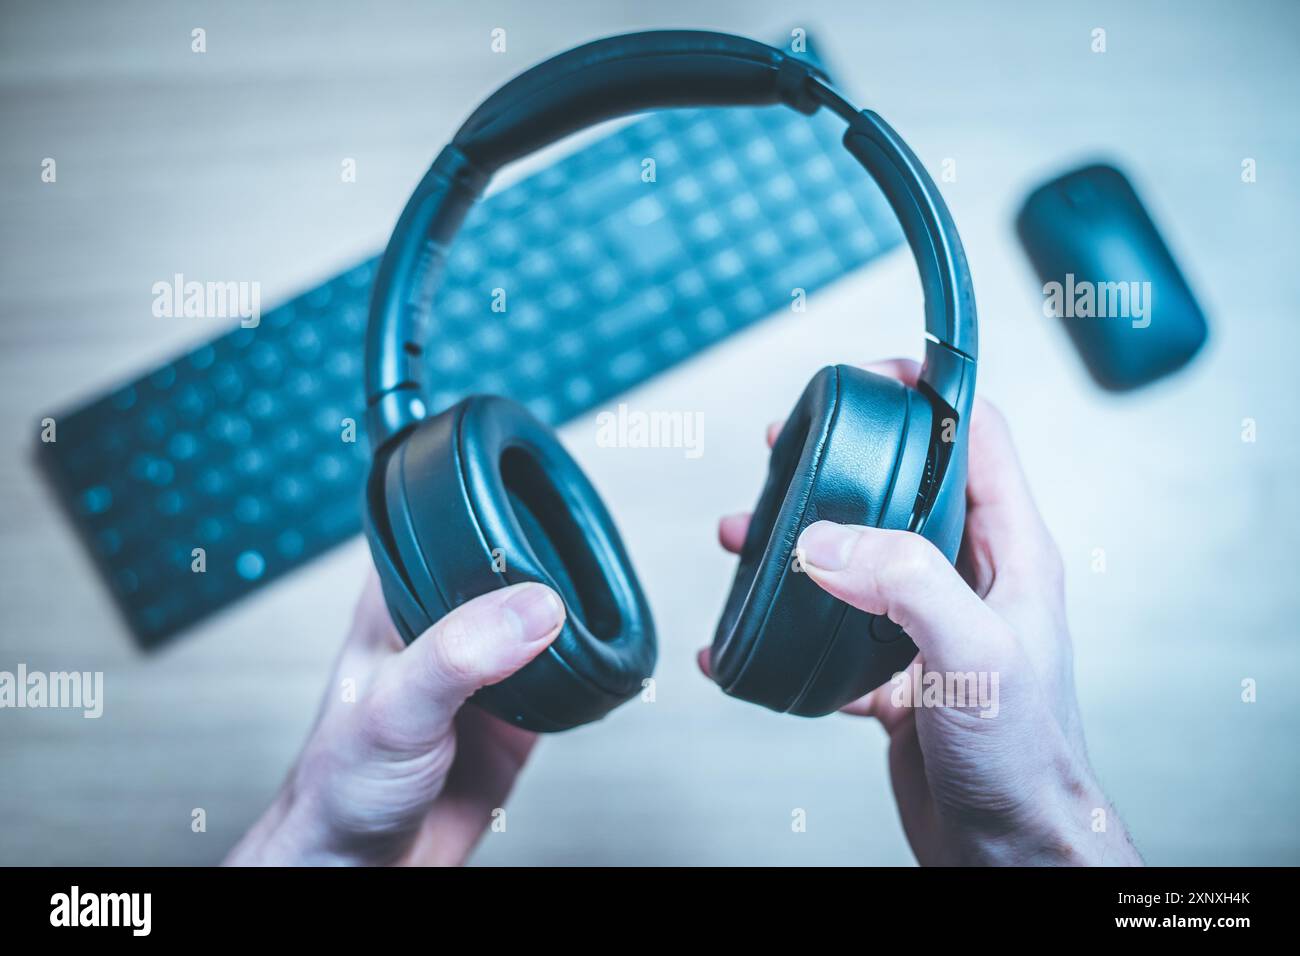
(483, 496)
(854, 450)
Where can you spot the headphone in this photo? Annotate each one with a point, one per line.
(483, 495)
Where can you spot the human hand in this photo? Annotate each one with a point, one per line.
(398, 772)
(1013, 788)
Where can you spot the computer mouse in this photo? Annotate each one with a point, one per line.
(1110, 278)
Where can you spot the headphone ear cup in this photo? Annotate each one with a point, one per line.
(854, 451)
(404, 607)
(483, 496)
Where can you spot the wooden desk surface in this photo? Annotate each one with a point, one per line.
(227, 164)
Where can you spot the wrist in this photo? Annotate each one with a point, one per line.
(1071, 823)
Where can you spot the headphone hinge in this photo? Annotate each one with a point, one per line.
(394, 413)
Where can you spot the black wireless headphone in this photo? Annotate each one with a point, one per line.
(483, 495)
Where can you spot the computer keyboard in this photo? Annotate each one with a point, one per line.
(235, 447)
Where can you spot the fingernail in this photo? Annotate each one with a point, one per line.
(827, 545)
(537, 608)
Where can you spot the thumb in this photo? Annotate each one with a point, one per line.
(481, 642)
(903, 576)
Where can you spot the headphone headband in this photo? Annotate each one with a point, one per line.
(626, 74)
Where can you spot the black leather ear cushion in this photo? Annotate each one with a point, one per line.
(483, 496)
(855, 444)
(406, 609)
(436, 432)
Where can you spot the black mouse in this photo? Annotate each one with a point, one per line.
(1110, 278)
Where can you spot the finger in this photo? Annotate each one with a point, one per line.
(489, 755)
(480, 643)
(705, 664)
(906, 371)
(912, 792)
(880, 704)
(371, 640)
(372, 626)
(995, 478)
(1006, 528)
(903, 576)
(773, 432)
(732, 530)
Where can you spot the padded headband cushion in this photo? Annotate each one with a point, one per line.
(492, 498)
(869, 475)
(626, 74)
